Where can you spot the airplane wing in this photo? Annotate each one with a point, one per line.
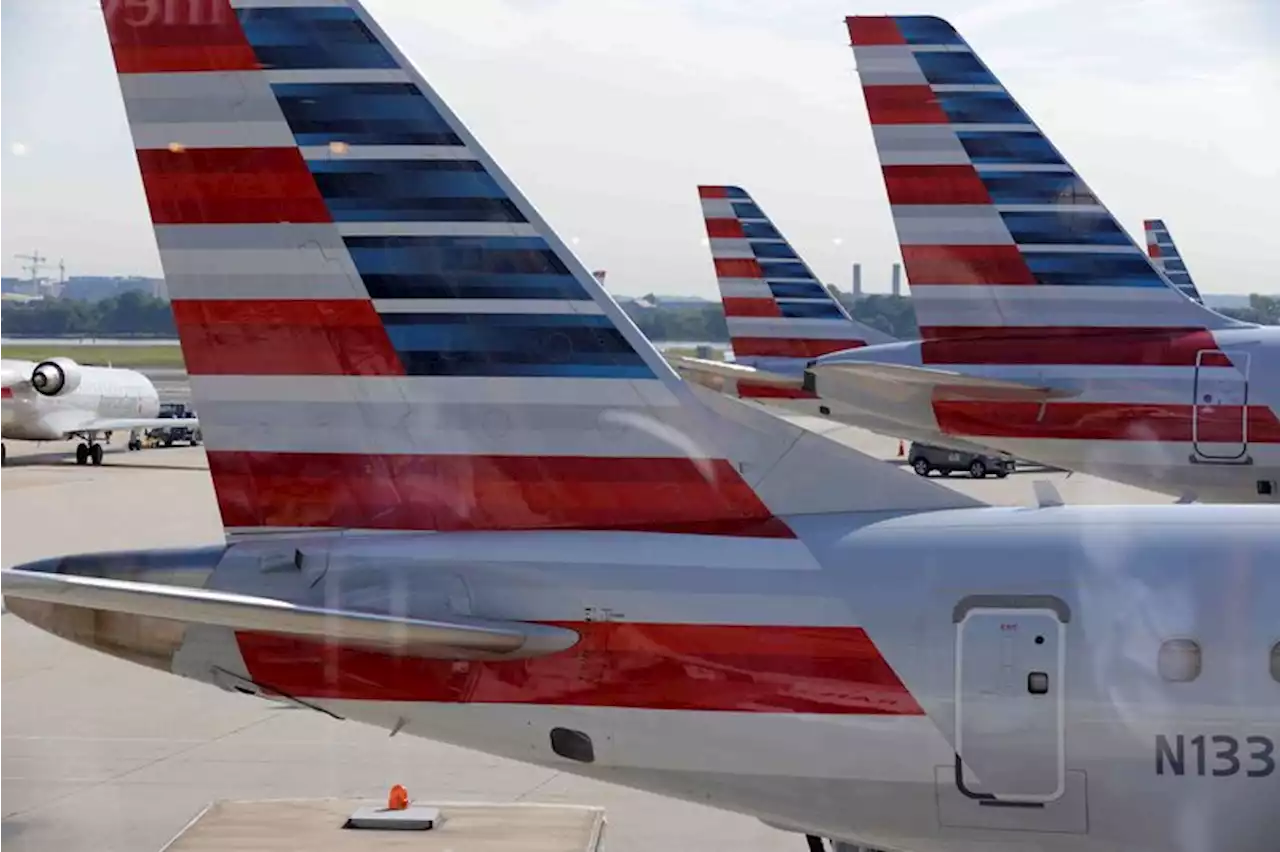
(713, 373)
(945, 384)
(457, 637)
(123, 423)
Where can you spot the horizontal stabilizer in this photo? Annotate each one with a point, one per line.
(946, 384)
(457, 637)
(714, 373)
(143, 423)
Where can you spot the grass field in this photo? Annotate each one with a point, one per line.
(159, 355)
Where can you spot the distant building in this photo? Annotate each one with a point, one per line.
(94, 288)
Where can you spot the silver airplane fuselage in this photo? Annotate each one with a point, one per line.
(1209, 432)
(1069, 679)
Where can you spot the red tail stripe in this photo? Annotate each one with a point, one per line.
(473, 492)
(752, 669)
(187, 35)
(866, 31)
(744, 307)
(995, 265)
(737, 268)
(935, 185)
(1105, 421)
(724, 228)
(230, 186)
(1153, 250)
(713, 192)
(779, 347)
(903, 105)
(1167, 347)
(305, 337)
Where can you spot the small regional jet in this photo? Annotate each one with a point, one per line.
(58, 400)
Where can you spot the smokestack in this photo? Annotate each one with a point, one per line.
(897, 279)
(857, 281)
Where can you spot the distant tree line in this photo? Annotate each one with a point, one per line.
(130, 314)
(705, 322)
(136, 314)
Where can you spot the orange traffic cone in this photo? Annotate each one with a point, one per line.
(398, 799)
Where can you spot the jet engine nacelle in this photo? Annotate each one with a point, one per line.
(56, 376)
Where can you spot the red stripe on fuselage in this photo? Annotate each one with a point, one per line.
(754, 390)
(1162, 347)
(935, 185)
(161, 36)
(749, 668)
(903, 105)
(268, 337)
(787, 347)
(475, 492)
(229, 186)
(1106, 421)
(936, 265)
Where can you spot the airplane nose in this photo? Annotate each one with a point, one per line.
(140, 639)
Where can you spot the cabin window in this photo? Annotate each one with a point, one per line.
(1179, 660)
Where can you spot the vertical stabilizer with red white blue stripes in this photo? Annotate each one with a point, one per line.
(1001, 239)
(381, 331)
(1165, 255)
(780, 316)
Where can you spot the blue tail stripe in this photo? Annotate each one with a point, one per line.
(747, 210)
(986, 147)
(981, 108)
(784, 269)
(927, 30)
(1070, 228)
(775, 251)
(312, 37)
(1091, 270)
(1036, 188)
(809, 310)
(797, 289)
(760, 230)
(396, 184)
(954, 69)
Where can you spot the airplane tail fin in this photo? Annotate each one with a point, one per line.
(383, 334)
(779, 314)
(1164, 253)
(1001, 238)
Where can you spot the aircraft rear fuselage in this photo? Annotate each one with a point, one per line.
(1109, 676)
(1208, 428)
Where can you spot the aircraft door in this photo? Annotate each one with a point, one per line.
(1010, 701)
(1220, 412)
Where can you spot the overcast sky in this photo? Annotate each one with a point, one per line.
(608, 113)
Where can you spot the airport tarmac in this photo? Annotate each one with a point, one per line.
(99, 754)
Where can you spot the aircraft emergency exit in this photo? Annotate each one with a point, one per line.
(58, 400)
(468, 500)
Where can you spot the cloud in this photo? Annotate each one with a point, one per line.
(19, 149)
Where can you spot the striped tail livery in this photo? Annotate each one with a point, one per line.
(381, 331)
(1164, 253)
(1071, 346)
(779, 314)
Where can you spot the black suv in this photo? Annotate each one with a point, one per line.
(925, 458)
